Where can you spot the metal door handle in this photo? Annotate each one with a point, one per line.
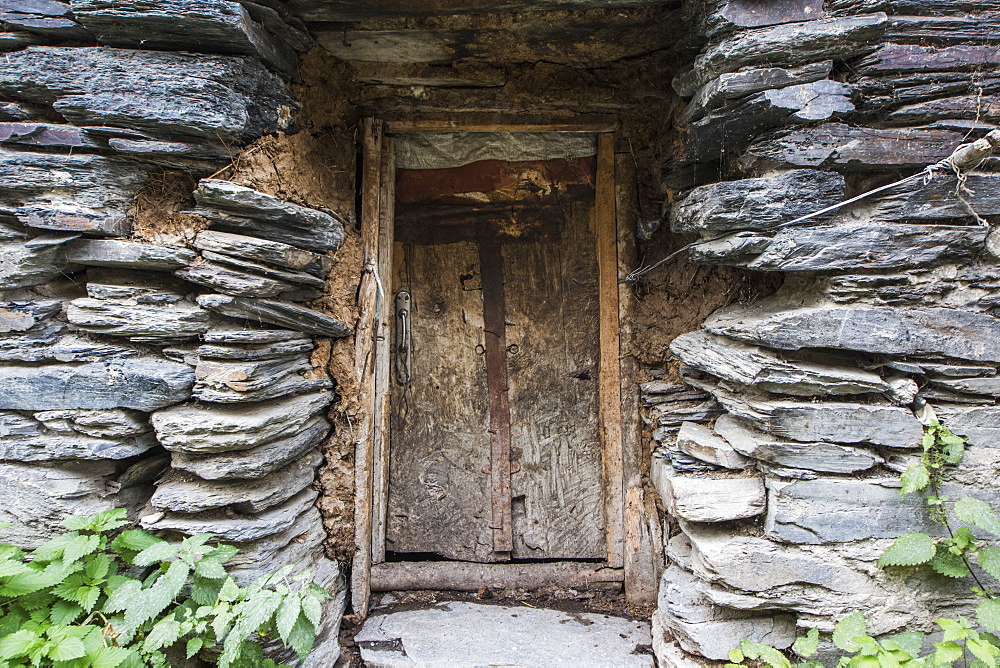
(403, 351)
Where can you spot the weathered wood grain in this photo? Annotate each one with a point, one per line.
(383, 338)
(355, 10)
(492, 275)
(364, 361)
(609, 378)
(587, 40)
(439, 489)
(552, 359)
(456, 576)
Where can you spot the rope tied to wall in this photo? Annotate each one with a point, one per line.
(961, 161)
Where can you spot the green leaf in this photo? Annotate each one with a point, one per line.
(947, 652)
(230, 590)
(255, 612)
(134, 540)
(808, 644)
(161, 551)
(911, 642)
(66, 649)
(205, 591)
(736, 656)
(65, 612)
(947, 563)
(26, 583)
(97, 567)
(110, 657)
(20, 643)
(910, 549)
(988, 615)
(983, 651)
(952, 446)
(312, 608)
(9, 567)
(288, 614)
(847, 630)
(194, 646)
(887, 660)
(155, 599)
(914, 479)
(773, 657)
(989, 559)
(211, 567)
(165, 633)
(302, 637)
(123, 596)
(80, 546)
(978, 513)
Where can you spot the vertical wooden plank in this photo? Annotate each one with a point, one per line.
(495, 328)
(439, 491)
(609, 386)
(364, 364)
(643, 537)
(643, 561)
(550, 294)
(380, 442)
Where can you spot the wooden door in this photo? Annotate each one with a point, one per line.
(497, 424)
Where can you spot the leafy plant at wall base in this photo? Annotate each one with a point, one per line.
(951, 556)
(98, 596)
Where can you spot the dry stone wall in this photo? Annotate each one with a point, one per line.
(174, 380)
(778, 459)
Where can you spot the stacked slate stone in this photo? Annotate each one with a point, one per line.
(174, 381)
(796, 491)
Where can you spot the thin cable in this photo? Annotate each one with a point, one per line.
(955, 162)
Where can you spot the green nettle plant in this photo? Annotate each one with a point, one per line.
(952, 555)
(102, 597)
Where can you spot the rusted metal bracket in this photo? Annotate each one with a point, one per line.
(494, 321)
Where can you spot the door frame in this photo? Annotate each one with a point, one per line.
(372, 358)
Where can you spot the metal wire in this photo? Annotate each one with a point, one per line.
(926, 174)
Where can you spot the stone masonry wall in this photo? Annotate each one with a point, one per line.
(175, 379)
(779, 460)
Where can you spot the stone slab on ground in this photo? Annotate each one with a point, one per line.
(458, 634)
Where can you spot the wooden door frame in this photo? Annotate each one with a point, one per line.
(372, 355)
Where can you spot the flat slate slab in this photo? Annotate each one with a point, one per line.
(459, 634)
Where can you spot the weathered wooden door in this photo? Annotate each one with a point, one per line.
(495, 451)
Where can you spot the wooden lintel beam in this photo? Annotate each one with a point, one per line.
(460, 125)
